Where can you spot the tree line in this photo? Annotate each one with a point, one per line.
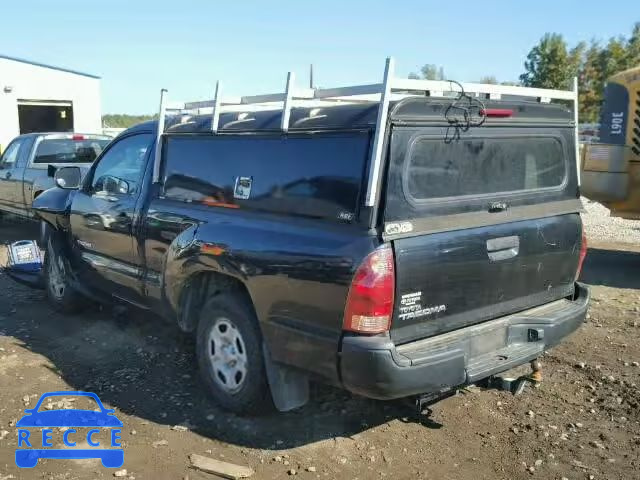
(552, 63)
(120, 120)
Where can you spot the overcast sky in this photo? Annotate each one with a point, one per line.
(139, 46)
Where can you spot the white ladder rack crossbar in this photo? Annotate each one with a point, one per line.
(541, 94)
(400, 88)
(390, 89)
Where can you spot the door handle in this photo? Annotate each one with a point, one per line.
(495, 207)
(7, 175)
(503, 248)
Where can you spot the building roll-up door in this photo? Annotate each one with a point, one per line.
(45, 116)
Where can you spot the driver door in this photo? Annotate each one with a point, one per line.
(102, 215)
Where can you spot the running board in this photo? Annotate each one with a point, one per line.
(501, 360)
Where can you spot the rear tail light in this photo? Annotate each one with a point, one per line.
(497, 112)
(583, 253)
(370, 301)
(77, 137)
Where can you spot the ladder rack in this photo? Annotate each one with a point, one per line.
(392, 88)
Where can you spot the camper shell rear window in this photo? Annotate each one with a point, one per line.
(431, 174)
(440, 170)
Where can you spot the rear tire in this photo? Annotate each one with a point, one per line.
(56, 279)
(229, 352)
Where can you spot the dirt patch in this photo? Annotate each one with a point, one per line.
(583, 421)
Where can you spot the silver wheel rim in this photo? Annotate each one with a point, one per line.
(227, 355)
(56, 275)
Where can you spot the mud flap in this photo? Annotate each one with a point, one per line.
(289, 387)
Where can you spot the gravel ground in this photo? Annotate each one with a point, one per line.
(601, 226)
(582, 423)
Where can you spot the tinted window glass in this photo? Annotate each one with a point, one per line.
(318, 176)
(65, 150)
(438, 169)
(123, 162)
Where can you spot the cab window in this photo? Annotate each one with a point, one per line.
(120, 169)
(10, 156)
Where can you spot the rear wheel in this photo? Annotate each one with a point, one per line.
(56, 275)
(229, 351)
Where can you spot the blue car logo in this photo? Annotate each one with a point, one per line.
(37, 446)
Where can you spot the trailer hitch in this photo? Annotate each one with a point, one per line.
(424, 401)
(517, 385)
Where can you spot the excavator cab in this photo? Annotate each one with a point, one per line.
(610, 169)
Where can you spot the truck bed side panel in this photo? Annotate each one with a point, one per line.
(297, 273)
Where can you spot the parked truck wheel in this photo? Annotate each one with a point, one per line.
(60, 294)
(229, 351)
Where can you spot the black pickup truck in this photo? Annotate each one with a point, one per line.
(261, 242)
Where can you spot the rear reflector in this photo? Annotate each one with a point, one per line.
(583, 253)
(370, 301)
(497, 112)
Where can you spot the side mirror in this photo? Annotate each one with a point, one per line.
(115, 185)
(123, 186)
(68, 178)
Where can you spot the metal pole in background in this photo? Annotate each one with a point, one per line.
(286, 111)
(160, 131)
(215, 115)
(576, 120)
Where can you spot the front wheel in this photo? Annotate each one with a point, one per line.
(229, 351)
(56, 278)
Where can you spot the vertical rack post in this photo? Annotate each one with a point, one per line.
(288, 96)
(375, 167)
(576, 119)
(215, 115)
(158, 152)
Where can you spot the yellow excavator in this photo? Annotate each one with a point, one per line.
(610, 172)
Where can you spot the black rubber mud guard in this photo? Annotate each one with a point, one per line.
(289, 387)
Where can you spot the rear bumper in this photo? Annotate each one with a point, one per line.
(376, 368)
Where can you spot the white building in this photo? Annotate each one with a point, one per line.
(40, 98)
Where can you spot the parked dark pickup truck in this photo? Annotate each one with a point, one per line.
(262, 240)
(25, 165)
